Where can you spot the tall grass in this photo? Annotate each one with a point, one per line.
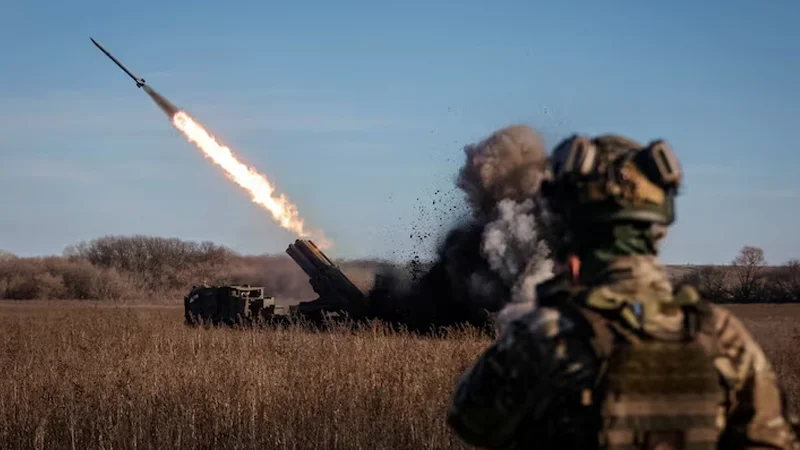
(103, 377)
(78, 375)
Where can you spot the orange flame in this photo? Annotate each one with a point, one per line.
(257, 185)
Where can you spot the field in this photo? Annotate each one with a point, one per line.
(78, 375)
(777, 329)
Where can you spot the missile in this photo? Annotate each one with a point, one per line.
(139, 81)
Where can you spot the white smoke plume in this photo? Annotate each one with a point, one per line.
(501, 176)
(514, 249)
(517, 252)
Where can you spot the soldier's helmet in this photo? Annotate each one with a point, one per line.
(611, 178)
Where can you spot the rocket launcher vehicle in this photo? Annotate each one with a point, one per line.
(338, 296)
(337, 293)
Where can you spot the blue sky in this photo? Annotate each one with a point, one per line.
(358, 111)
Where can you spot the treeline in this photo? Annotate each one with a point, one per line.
(160, 269)
(747, 279)
(144, 267)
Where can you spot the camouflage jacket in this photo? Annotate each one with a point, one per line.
(522, 391)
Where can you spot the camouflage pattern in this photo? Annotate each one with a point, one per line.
(617, 358)
(661, 387)
(593, 185)
(612, 178)
(529, 388)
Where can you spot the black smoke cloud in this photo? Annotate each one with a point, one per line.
(488, 260)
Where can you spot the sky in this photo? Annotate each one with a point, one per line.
(359, 112)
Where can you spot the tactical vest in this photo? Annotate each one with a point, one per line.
(654, 393)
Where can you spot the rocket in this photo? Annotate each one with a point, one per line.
(139, 81)
(165, 105)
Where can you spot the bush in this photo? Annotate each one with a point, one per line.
(85, 281)
(747, 280)
(711, 281)
(60, 278)
(159, 266)
(27, 278)
(5, 256)
(119, 268)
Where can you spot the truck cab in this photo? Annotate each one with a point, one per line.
(227, 304)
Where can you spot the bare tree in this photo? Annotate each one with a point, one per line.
(748, 273)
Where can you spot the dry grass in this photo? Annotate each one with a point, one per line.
(135, 377)
(80, 376)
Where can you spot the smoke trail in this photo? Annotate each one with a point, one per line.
(169, 109)
(259, 187)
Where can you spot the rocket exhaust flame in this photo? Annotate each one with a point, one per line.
(259, 187)
(261, 190)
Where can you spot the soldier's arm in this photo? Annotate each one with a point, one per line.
(757, 415)
(514, 379)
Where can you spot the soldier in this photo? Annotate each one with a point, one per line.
(614, 356)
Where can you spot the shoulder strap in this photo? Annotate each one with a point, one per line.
(554, 291)
(603, 333)
(697, 311)
(602, 336)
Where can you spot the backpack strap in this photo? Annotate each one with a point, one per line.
(697, 312)
(559, 294)
(603, 337)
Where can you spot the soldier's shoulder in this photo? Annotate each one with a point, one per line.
(545, 318)
(749, 374)
(528, 319)
(719, 320)
(553, 290)
(725, 321)
(741, 356)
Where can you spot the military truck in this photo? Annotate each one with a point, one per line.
(338, 297)
(227, 305)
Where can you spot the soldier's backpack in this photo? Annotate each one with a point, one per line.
(656, 392)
